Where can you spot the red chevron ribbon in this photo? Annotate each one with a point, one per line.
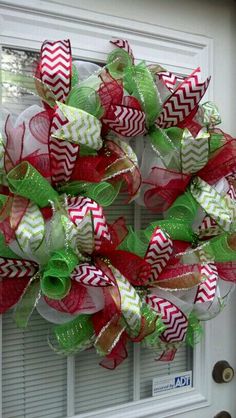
(170, 80)
(123, 44)
(56, 67)
(89, 275)
(173, 318)
(79, 206)
(183, 100)
(207, 289)
(15, 276)
(12, 268)
(63, 153)
(231, 192)
(208, 227)
(56, 72)
(158, 253)
(126, 121)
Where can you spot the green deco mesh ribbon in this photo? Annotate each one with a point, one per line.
(216, 141)
(87, 99)
(175, 228)
(26, 181)
(135, 242)
(55, 280)
(138, 81)
(76, 335)
(185, 208)
(167, 145)
(74, 77)
(5, 251)
(103, 193)
(194, 330)
(218, 249)
(27, 303)
(153, 340)
(117, 61)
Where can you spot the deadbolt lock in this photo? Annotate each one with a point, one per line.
(222, 372)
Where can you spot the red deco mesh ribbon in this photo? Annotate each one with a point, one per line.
(15, 276)
(164, 186)
(123, 114)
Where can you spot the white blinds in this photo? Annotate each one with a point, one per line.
(34, 377)
(96, 387)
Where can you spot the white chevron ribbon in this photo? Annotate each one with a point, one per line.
(158, 253)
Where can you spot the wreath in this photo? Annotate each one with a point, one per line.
(103, 284)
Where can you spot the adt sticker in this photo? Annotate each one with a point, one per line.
(171, 382)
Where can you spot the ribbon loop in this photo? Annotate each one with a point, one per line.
(221, 208)
(26, 181)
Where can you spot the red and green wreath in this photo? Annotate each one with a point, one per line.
(103, 284)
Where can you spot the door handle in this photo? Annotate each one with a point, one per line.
(223, 414)
(222, 372)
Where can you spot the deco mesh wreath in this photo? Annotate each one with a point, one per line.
(103, 284)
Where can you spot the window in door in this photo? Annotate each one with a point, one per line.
(36, 382)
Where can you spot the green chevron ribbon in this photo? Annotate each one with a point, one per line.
(31, 229)
(221, 208)
(74, 336)
(55, 280)
(194, 151)
(130, 303)
(209, 115)
(81, 128)
(26, 181)
(138, 81)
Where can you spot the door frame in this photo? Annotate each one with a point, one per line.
(182, 52)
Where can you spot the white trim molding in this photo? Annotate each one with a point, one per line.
(25, 25)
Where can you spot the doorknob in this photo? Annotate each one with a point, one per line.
(222, 372)
(223, 414)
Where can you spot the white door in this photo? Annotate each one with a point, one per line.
(38, 383)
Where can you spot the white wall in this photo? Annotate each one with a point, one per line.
(212, 18)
